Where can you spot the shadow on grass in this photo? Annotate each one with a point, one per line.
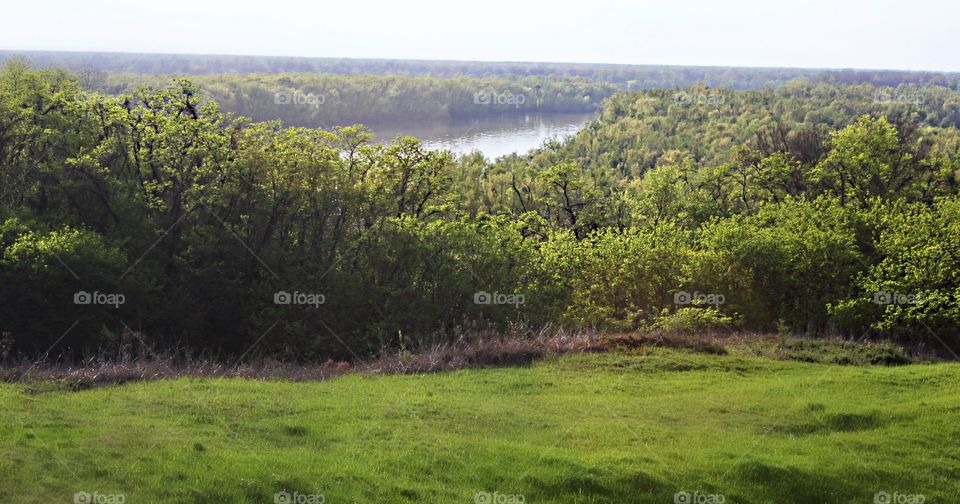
(748, 482)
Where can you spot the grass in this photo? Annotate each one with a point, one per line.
(636, 425)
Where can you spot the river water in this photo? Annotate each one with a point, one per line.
(494, 136)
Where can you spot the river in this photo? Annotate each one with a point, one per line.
(494, 137)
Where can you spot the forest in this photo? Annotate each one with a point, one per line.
(630, 77)
(328, 92)
(325, 101)
(814, 208)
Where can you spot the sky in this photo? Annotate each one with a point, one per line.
(914, 35)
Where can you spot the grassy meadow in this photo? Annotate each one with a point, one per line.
(648, 425)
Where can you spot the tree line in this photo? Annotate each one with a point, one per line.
(151, 220)
(324, 101)
(628, 77)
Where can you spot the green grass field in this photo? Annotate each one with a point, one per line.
(610, 427)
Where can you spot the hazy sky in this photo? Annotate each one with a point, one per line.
(916, 34)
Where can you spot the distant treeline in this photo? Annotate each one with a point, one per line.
(636, 132)
(326, 92)
(632, 77)
(314, 100)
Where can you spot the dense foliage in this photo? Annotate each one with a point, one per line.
(639, 131)
(314, 100)
(153, 220)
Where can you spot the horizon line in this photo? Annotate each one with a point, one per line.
(488, 62)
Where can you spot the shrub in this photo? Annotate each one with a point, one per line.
(800, 256)
(41, 272)
(624, 279)
(694, 321)
(913, 290)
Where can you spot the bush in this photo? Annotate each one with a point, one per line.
(621, 280)
(42, 272)
(913, 290)
(800, 255)
(694, 321)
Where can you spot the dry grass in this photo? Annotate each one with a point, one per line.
(472, 349)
